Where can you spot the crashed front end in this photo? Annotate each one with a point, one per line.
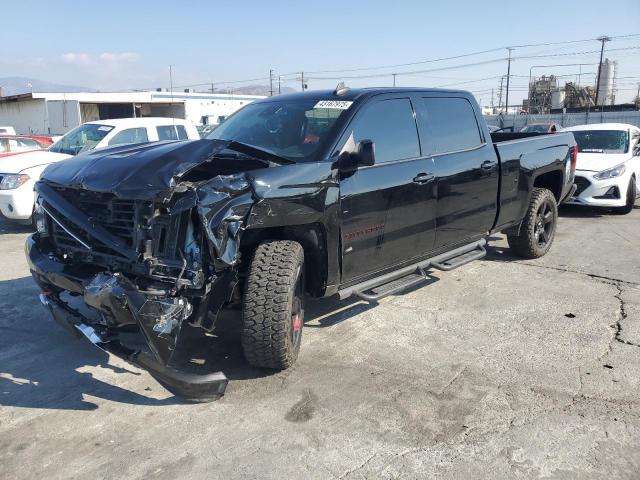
(141, 267)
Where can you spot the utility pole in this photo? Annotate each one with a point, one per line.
(508, 77)
(492, 107)
(302, 80)
(602, 39)
(394, 79)
(271, 83)
(500, 94)
(278, 84)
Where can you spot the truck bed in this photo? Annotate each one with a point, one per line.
(523, 155)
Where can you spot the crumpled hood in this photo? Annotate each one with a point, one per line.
(596, 162)
(143, 171)
(17, 163)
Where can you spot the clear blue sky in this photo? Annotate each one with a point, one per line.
(121, 45)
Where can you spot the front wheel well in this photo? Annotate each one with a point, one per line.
(551, 181)
(312, 237)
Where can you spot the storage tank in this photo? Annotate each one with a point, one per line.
(607, 78)
(557, 98)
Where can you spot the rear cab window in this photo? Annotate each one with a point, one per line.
(447, 124)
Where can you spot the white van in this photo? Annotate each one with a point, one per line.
(18, 173)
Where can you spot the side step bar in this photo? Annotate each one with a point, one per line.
(414, 275)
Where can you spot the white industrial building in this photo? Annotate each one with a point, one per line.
(57, 113)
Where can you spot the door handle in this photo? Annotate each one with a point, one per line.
(422, 178)
(487, 165)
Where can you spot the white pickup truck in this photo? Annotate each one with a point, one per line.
(19, 173)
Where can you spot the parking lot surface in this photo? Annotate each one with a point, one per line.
(503, 368)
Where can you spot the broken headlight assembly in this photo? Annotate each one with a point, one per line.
(40, 219)
(611, 172)
(12, 181)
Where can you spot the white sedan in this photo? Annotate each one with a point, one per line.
(19, 173)
(608, 165)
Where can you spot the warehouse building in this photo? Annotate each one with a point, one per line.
(57, 113)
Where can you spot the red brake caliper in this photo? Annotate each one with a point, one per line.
(297, 322)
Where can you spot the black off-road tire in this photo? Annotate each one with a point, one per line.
(631, 199)
(542, 212)
(272, 305)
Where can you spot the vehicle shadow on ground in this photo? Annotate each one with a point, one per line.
(40, 362)
(43, 366)
(577, 211)
(8, 227)
(221, 350)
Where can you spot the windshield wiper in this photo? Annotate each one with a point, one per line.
(258, 153)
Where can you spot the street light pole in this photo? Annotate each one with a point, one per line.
(602, 39)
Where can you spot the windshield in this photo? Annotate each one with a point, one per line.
(602, 141)
(294, 129)
(85, 137)
(536, 128)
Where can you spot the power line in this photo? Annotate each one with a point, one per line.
(380, 67)
(423, 62)
(388, 74)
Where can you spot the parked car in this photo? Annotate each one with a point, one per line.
(608, 166)
(7, 130)
(16, 144)
(541, 128)
(346, 192)
(19, 174)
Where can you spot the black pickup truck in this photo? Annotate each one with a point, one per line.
(346, 192)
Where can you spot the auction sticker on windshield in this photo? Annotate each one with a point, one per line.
(339, 104)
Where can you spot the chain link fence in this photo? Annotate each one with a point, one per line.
(564, 119)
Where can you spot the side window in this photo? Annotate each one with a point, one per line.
(28, 143)
(391, 127)
(130, 135)
(182, 132)
(172, 132)
(447, 125)
(167, 132)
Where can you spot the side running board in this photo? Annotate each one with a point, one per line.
(460, 260)
(414, 275)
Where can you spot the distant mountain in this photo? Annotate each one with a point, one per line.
(256, 90)
(18, 85)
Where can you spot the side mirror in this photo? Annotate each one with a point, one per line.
(366, 155)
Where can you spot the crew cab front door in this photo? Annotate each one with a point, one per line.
(387, 209)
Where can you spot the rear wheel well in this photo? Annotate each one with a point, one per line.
(312, 237)
(551, 181)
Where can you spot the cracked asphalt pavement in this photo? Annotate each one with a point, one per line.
(503, 368)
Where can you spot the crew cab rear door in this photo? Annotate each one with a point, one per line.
(387, 209)
(465, 166)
